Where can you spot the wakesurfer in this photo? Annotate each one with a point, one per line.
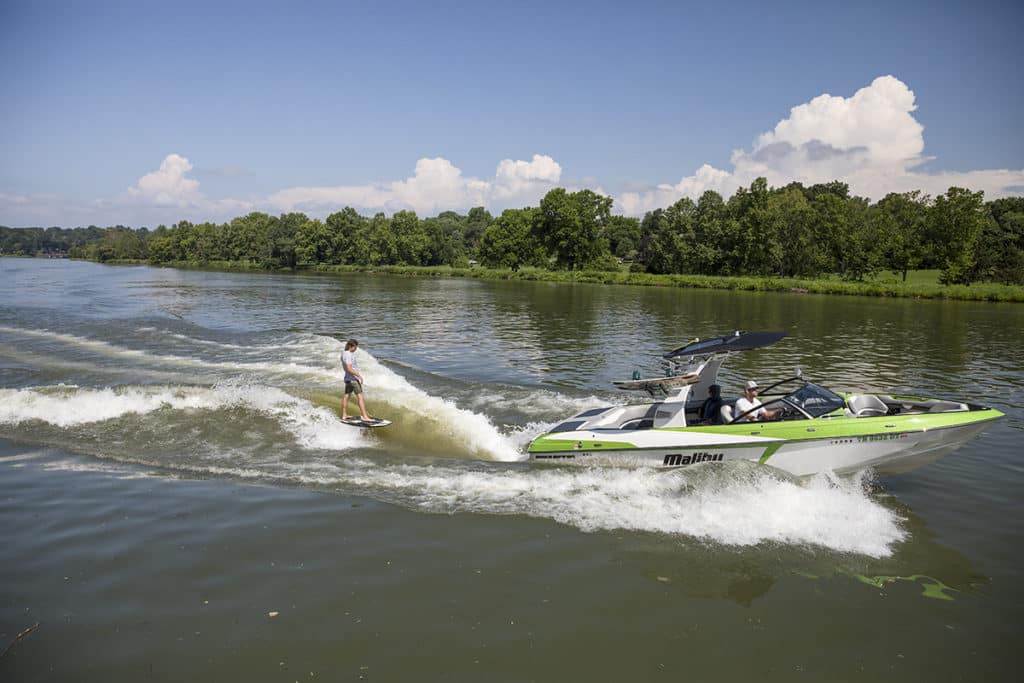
(353, 381)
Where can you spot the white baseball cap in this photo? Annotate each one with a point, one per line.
(751, 384)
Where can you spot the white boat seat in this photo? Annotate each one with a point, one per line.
(942, 406)
(867, 405)
(726, 413)
(646, 421)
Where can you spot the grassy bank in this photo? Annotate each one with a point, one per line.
(920, 284)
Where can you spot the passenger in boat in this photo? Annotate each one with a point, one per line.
(749, 401)
(710, 412)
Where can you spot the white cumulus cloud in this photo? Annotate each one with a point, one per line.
(870, 140)
(877, 118)
(524, 181)
(542, 168)
(706, 178)
(168, 185)
(437, 185)
(168, 195)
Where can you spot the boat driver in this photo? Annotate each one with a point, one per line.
(710, 412)
(750, 402)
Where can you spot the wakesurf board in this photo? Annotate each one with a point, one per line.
(360, 422)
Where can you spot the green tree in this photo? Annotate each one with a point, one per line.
(315, 243)
(956, 221)
(247, 237)
(445, 245)
(350, 235)
(675, 242)
(858, 252)
(659, 247)
(383, 248)
(896, 225)
(623, 236)
(709, 231)
(837, 189)
(119, 243)
(1001, 248)
(161, 249)
(794, 249)
(475, 223)
(412, 245)
(510, 242)
(754, 245)
(570, 226)
(279, 248)
(207, 243)
(838, 235)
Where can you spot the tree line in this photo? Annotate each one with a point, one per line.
(789, 231)
(48, 241)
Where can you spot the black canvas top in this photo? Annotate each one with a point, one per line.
(737, 341)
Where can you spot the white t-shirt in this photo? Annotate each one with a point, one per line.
(348, 360)
(743, 405)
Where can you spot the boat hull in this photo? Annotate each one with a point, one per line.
(841, 446)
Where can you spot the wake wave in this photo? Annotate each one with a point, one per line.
(312, 360)
(69, 405)
(66, 406)
(290, 390)
(293, 368)
(738, 506)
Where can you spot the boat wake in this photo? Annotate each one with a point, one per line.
(732, 505)
(267, 410)
(297, 381)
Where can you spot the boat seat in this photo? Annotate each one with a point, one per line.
(942, 406)
(867, 405)
(726, 412)
(608, 419)
(644, 422)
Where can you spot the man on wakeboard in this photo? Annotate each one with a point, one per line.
(353, 381)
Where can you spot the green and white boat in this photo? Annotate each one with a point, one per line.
(813, 430)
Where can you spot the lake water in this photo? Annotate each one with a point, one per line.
(179, 499)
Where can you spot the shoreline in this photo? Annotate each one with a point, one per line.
(989, 292)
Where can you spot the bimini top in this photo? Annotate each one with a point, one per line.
(737, 341)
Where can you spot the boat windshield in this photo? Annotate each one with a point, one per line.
(815, 401)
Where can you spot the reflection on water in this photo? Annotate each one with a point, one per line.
(932, 588)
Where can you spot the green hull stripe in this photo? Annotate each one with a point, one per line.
(578, 445)
(770, 451)
(776, 438)
(566, 445)
(799, 430)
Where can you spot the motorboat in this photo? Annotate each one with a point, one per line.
(811, 428)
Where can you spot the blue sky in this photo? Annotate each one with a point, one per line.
(142, 113)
